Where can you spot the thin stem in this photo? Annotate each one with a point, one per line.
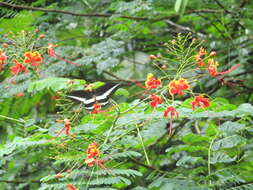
(12, 119)
(114, 123)
(143, 146)
(209, 158)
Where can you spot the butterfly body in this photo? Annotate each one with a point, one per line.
(101, 95)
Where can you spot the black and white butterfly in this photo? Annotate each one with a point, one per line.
(100, 95)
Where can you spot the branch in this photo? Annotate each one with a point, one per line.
(220, 5)
(16, 181)
(118, 79)
(107, 14)
(146, 166)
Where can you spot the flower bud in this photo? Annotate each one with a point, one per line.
(42, 36)
(152, 57)
(5, 45)
(213, 53)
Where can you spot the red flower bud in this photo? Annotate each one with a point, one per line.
(152, 57)
(213, 53)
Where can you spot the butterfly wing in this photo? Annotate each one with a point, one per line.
(104, 92)
(101, 95)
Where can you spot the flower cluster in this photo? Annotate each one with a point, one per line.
(23, 61)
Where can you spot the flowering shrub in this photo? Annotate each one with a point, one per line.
(138, 135)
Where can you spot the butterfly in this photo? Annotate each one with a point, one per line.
(100, 95)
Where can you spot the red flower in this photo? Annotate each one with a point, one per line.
(58, 176)
(92, 156)
(155, 100)
(92, 161)
(229, 70)
(212, 67)
(71, 187)
(2, 57)
(17, 68)
(50, 49)
(172, 111)
(96, 108)
(93, 150)
(67, 126)
(177, 87)
(152, 82)
(152, 57)
(200, 101)
(34, 58)
(20, 94)
(199, 57)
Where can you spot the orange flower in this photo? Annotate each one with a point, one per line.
(172, 111)
(20, 94)
(90, 161)
(50, 49)
(200, 101)
(177, 87)
(71, 187)
(34, 58)
(58, 176)
(93, 150)
(2, 57)
(199, 57)
(96, 108)
(152, 57)
(17, 68)
(212, 67)
(67, 126)
(152, 82)
(155, 100)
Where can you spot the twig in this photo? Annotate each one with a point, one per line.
(121, 79)
(16, 181)
(146, 166)
(220, 5)
(109, 14)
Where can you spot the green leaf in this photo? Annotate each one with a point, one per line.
(122, 92)
(185, 161)
(55, 84)
(230, 127)
(221, 157)
(228, 142)
(193, 138)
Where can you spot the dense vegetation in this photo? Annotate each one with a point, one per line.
(181, 119)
